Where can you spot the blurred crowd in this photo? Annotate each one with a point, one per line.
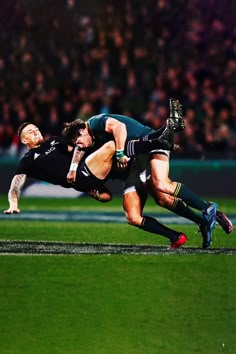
(127, 57)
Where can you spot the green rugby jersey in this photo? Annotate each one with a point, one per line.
(134, 129)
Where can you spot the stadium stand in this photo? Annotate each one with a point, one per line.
(58, 63)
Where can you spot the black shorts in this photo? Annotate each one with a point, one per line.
(86, 181)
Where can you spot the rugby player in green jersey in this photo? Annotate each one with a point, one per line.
(174, 196)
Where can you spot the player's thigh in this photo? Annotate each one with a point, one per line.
(100, 161)
(159, 164)
(133, 204)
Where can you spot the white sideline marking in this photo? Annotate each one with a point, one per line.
(89, 216)
(92, 216)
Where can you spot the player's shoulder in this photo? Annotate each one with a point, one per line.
(97, 117)
(24, 162)
(27, 155)
(97, 122)
(58, 143)
(53, 139)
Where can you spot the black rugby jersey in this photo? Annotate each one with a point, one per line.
(50, 162)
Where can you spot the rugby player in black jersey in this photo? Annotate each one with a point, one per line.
(49, 161)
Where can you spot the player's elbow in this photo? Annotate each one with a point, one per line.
(122, 128)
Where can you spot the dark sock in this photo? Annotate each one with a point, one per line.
(189, 197)
(154, 135)
(180, 208)
(134, 148)
(152, 225)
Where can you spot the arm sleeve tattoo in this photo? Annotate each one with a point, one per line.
(16, 186)
(77, 156)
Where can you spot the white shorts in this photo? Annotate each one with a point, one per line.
(139, 173)
(160, 151)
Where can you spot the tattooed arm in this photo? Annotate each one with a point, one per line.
(14, 193)
(77, 157)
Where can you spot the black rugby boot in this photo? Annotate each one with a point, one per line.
(175, 121)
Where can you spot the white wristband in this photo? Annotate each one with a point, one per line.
(73, 167)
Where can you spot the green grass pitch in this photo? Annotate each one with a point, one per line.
(117, 304)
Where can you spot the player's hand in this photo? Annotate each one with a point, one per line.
(122, 159)
(71, 177)
(12, 211)
(94, 194)
(104, 196)
(122, 162)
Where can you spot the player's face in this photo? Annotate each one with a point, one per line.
(31, 136)
(84, 140)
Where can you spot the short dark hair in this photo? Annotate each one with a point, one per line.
(71, 131)
(22, 126)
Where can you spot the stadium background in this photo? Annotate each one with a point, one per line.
(63, 59)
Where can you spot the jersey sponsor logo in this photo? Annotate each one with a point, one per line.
(52, 148)
(36, 155)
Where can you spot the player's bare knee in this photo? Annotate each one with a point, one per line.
(110, 147)
(164, 186)
(133, 219)
(163, 199)
(160, 184)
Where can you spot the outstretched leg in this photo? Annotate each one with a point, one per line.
(133, 203)
(178, 207)
(100, 161)
(175, 122)
(161, 182)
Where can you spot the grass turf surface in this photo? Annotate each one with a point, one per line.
(30, 203)
(121, 304)
(114, 304)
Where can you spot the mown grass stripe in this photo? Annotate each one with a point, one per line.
(66, 248)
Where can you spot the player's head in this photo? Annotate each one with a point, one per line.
(30, 135)
(77, 133)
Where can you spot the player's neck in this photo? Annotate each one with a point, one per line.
(30, 147)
